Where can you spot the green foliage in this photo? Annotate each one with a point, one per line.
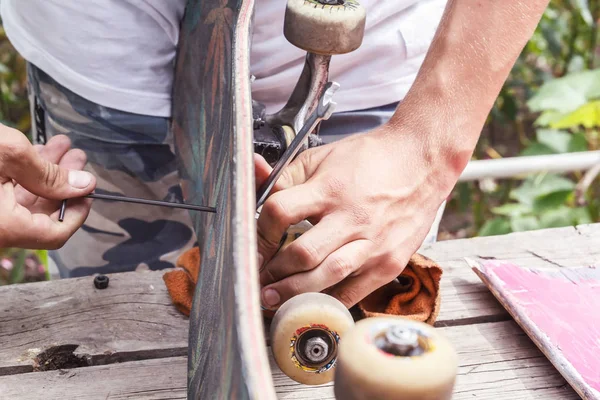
(20, 266)
(14, 105)
(569, 123)
(17, 265)
(541, 201)
(550, 104)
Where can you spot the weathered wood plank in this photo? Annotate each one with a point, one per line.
(569, 247)
(132, 319)
(497, 361)
(149, 379)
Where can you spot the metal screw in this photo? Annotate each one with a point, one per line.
(402, 339)
(316, 349)
(101, 282)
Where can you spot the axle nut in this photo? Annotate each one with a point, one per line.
(101, 282)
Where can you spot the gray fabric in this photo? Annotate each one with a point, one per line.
(130, 155)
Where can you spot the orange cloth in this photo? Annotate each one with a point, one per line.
(182, 282)
(415, 294)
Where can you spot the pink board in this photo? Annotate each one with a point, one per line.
(559, 309)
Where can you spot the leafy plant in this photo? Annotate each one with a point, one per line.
(19, 266)
(14, 105)
(569, 106)
(550, 104)
(541, 201)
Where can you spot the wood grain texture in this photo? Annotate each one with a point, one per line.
(496, 362)
(132, 319)
(148, 380)
(558, 309)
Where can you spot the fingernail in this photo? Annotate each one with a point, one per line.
(261, 259)
(271, 297)
(79, 179)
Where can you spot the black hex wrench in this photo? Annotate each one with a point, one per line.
(63, 206)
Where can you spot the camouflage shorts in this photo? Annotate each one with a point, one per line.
(132, 155)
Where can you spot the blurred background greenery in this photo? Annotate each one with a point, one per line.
(17, 265)
(550, 104)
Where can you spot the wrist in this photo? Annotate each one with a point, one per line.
(444, 137)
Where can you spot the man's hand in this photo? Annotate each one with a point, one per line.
(371, 212)
(33, 181)
(373, 197)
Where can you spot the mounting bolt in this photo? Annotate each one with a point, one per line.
(101, 282)
(258, 123)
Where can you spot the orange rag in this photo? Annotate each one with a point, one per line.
(414, 294)
(182, 282)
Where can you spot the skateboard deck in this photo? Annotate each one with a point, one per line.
(216, 128)
(558, 310)
(212, 129)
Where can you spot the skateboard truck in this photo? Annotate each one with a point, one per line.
(325, 108)
(310, 25)
(274, 133)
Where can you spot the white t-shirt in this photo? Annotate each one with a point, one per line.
(120, 53)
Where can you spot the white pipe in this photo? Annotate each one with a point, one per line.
(515, 167)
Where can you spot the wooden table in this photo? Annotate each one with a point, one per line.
(129, 342)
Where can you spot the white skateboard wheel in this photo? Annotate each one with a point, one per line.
(394, 358)
(325, 27)
(305, 334)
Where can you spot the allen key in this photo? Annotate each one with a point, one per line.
(63, 206)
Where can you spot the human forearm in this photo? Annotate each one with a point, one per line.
(476, 45)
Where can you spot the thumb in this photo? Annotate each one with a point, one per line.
(41, 177)
(296, 173)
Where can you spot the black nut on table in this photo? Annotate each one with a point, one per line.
(101, 282)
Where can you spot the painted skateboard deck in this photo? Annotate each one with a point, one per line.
(213, 134)
(558, 309)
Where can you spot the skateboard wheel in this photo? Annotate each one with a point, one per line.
(325, 27)
(394, 358)
(305, 334)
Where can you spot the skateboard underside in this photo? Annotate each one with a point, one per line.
(213, 134)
